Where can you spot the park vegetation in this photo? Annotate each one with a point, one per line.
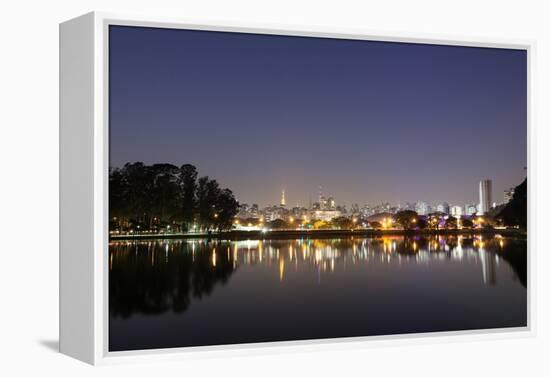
(163, 196)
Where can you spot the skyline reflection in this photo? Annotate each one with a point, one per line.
(163, 292)
(222, 258)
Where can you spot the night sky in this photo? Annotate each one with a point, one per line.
(367, 121)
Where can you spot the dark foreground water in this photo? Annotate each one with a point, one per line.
(187, 293)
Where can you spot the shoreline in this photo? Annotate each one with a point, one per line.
(319, 233)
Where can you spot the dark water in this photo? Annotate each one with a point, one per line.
(188, 293)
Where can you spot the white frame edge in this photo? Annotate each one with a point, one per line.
(84, 187)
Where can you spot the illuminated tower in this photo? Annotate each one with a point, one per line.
(485, 196)
(283, 200)
(322, 200)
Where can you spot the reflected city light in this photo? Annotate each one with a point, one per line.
(328, 255)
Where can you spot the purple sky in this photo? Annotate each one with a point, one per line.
(368, 121)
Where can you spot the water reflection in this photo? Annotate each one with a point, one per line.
(152, 277)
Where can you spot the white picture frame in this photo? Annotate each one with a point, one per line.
(84, 186)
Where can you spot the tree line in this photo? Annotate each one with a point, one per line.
(164, 195)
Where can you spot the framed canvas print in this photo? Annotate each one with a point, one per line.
(228, 186)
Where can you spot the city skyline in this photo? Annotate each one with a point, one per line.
(370, 121)
(283, 201)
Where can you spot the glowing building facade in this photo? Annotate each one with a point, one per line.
(485, 196)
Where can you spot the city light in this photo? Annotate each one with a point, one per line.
(319, 216)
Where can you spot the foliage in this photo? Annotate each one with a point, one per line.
(277, 224)
(451, 222)
(421, 223)
(152, 195)
(342, 222)
(466, 223)
(408, 219)
(321, 224)
(375, 224)
(434, 220)
(515, 212)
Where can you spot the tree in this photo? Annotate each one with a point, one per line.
(320, 224)
(451, 222)
(421, 223)
(188, 184)
(408, 219)
(277, 224)
(227, 207)
(147, 196)
(435, 220)
(466, 223)
(117, 192)
(165, 192)
(342, 222)
(375, 224)
(515, 212)
(138, 195)
(208, 191)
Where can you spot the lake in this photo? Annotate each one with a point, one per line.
(177, 293)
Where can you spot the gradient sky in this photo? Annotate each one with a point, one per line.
(367, 121)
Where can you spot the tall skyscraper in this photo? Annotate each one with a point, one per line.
(283, 200)
(485, 196)
(322, 199)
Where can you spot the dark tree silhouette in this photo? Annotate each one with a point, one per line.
(188, 183)
(467, 223)
(163, 194)
(515, 212)
(145, 282)
(342, 222)
(375, 224)
(408, 219)
(277, 224)
(451, 222)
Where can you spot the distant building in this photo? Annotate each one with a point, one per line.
(443, 207)
(409, 206)
(485, 196)
(325, 215)
(456, 211)
(470, 209)
(299, 212)
(254, 210)
(342, 209)
(366, 211)
(283, 199)
(508, 194)
(422, 208)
